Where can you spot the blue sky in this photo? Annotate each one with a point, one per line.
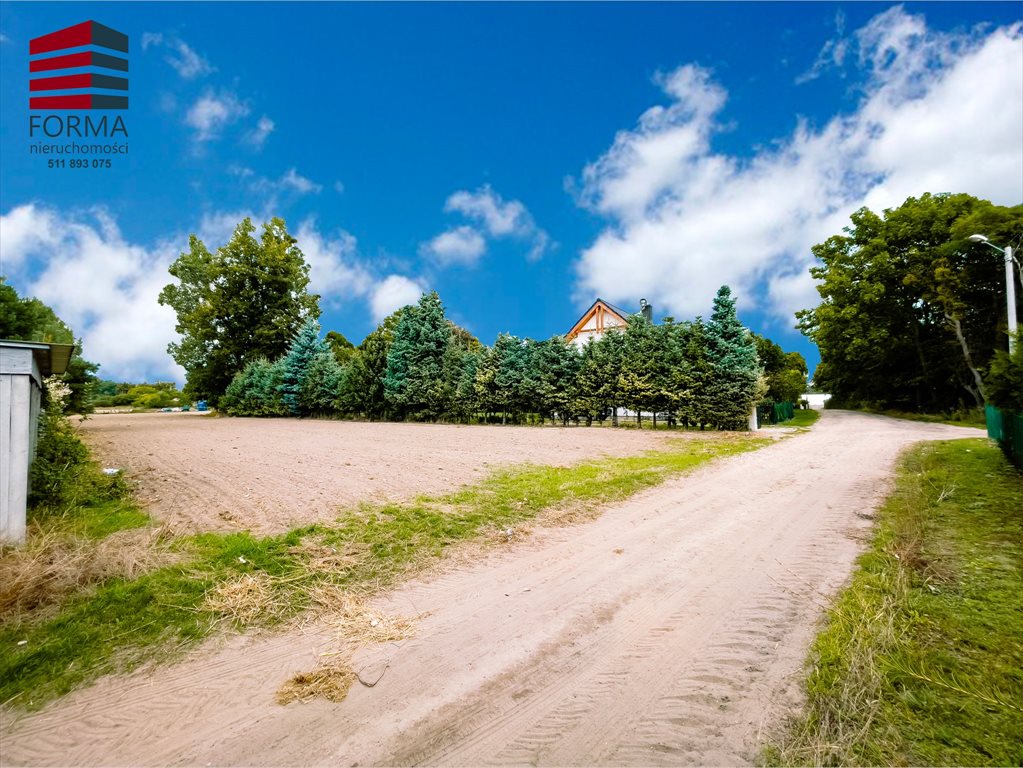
(521, 159)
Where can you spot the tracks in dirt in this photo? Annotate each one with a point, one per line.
(670, 631)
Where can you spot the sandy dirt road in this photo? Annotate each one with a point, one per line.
(195, 473)
(671, 631)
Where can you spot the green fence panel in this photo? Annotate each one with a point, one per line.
(776, 413)
(1006, 429)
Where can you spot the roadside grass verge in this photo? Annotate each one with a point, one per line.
(83, 528)
(243, 581)
(803, 417)
(921, 662)
(973, 417)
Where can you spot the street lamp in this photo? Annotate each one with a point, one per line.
(1010, 285)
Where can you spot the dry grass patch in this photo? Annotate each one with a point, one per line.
(248, 599)
(357, 625)
(54, 566)
(330, 681)
(329, 559)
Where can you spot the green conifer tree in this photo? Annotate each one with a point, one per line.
(296, 365)
(732, 353)
(362, 386)
(510, 376)
(414, 381)
(322, 385)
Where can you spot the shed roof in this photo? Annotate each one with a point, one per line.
(52, 359)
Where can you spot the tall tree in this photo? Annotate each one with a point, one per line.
(485, 384)
(554, 367)
(732, 354)
(244, 301)
(911, 311)
(321, 389)
(362, 387)
(342, 349)
(785, 372)
(414, 381)
(638, 378)
(24, 319)
(297, 362)
(509, 383)
(587, 397)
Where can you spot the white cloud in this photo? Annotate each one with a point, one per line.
(339, 187)
(497, 217)
(832, 55)
(393, 292)
(217, 227)
(290, 183)
(486, 206)
(292, 179)
(104, 287)
(461, 245)
(213, 111)
(26, 229)
(335, 271)
(181, 56)
(187, 62)
(939, 113)
(257, 136)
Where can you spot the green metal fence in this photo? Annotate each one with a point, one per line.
(1007, 430)
(775, 413)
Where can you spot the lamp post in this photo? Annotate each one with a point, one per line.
(1010, 285)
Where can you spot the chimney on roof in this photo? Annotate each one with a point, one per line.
(646, 310)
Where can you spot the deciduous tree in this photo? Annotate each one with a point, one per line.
(244, 301)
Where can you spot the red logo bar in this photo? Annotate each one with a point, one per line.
(60, 83)
(83, 80)
(78, 101)
(79, 34)
(86, 33)
(83, 59)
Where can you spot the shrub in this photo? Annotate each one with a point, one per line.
(1005, 379)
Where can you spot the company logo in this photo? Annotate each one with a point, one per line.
(56, 80)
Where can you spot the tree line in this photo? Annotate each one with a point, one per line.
(250, 344)
(418, 365)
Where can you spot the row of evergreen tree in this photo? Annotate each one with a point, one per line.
(419, 366)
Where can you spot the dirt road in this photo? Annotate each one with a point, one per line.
(670, 631)
(196, 473)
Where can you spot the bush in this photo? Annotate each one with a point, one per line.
(59, 458)
(63, 475)
(1005, 379)
(256, 390)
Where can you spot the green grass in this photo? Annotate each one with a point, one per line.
(119, 624)
(921, 661)
(801, 418)
(95, 519)
(965, 418)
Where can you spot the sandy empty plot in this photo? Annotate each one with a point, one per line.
(270, 475)
(671, 631)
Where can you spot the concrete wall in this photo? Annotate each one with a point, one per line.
(20, 395)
